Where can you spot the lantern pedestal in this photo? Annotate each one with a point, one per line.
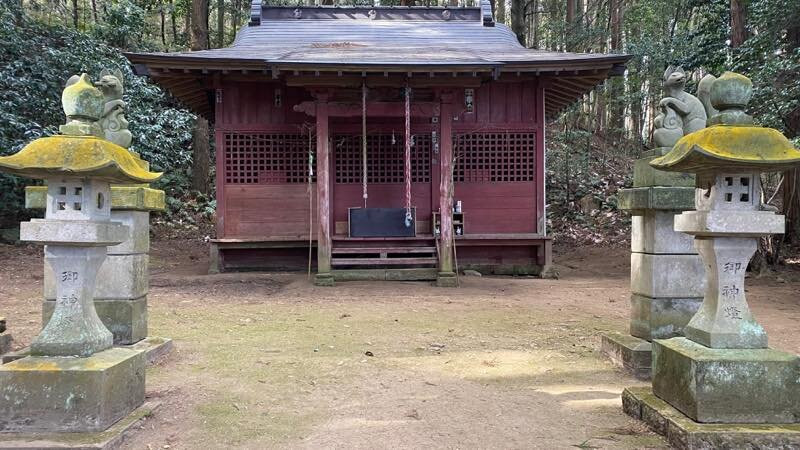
(714, 385)
(47, 394)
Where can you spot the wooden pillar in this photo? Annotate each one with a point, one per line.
(446, 276)
(545, 254)
(324, 276)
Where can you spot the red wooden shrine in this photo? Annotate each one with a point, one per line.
(290, 96)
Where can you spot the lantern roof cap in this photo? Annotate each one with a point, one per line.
(78, 156)
(725, 148)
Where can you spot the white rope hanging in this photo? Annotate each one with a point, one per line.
(407, 162)
(364, 142)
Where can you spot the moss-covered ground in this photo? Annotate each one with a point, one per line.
(271, 361)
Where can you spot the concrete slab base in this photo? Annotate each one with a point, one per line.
(112, 438)
(683, 433)
(628, 352)
(70, 394)
(156, 348)
(713, 385)
(5, 343)
(446, 279)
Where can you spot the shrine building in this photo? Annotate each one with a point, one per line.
(379, 142)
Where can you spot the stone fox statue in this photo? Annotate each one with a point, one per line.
(113, 122)
(668, 127)
(688, 107)
(681, 113)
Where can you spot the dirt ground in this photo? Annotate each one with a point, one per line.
(270, 361)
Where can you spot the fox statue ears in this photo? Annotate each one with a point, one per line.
(72, 80)
(672, 69)
(116, 73)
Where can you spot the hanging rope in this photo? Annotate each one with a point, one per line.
(364, 142)
(407, 162)
(310, 197)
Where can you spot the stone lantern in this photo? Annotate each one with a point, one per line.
(722, 371)
(74, 380)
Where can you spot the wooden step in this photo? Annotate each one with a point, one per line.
(379, 250)
(383, 261)
(388, 274)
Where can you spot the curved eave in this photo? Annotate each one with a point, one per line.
(190, 79)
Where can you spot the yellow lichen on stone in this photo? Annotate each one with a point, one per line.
(730, 147)
(79, 156)
(123, 197)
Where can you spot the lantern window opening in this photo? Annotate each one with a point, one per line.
(76, 206)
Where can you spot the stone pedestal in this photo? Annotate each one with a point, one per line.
(45, 394)
(727, 385)
(5, 343)
(667, 280)
(446, 279)
(123, 280)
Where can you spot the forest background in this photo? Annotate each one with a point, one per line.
(591, 145)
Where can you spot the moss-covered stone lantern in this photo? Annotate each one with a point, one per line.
(74, 380)
(723, 371)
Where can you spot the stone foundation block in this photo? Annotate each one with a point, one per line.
(670, 198)
(628, 352)
(652, 232)
(111, 439)
(446, 279)
(727, 385)
(684, 433)
(5, 343)
(324, 279)
(125, 319)
(644, 175)
(138, 223)
(657, 276)
(49, 394)
(661, 318)
(121, 277)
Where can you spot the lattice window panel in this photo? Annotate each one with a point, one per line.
(495, 157)
(385, 160)
(266, 158)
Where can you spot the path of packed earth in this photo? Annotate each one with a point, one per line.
(268, 360)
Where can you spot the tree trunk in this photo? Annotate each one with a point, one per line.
(500, 11)
(738, 22)
(200, 142)
(94, 10)
(173, 22)
(534, 24)
(200, 160)
(518, 19)
(615, 13)
(569, 26)
(615, 86)
(199, 25)
(163, 26)
(220, 23)
(75, 13)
